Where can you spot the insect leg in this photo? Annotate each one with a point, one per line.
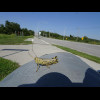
(37, 67)
(47, 65)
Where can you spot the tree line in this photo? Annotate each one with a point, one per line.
(70, 38)
(14, 28)
(51, 34)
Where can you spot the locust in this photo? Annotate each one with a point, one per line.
(45, 62)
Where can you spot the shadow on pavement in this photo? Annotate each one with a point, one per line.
(18, 51)
(55, 79)
(14, 50)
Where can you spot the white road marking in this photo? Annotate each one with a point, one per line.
(45, 42)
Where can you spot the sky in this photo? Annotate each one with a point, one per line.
(64, 23)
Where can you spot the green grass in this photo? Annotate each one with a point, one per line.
(87, 56)
(90, 42)
(14, 40)
(6, 67)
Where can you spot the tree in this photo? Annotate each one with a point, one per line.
(11, 27)
(86, 39)
(25, 31)
(2, 29)
(31, 32)
(71, 37)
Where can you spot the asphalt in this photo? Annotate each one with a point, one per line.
(82, 47)
(70, 71)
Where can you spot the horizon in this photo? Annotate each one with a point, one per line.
(64, 23)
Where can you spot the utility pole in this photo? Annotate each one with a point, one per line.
(63, 34)
(63, 37)
(15, 33)
(22, 33)
(49, 34)
(78, 33)
(43, 34)
(37, 30)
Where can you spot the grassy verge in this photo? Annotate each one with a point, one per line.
(90, 42)
(87, 56)
(6, 67)
(14, 40)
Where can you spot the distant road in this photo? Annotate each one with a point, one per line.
(82, 47)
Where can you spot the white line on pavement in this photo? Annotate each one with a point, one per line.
(45, 42)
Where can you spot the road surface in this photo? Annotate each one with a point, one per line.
(83, 47)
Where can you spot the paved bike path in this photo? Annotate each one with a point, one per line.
(70, 71)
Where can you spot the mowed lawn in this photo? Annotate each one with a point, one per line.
(6, 67)
(14, 40)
